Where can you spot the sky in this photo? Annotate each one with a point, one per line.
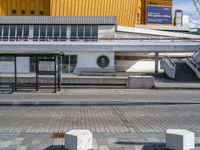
(188, 9)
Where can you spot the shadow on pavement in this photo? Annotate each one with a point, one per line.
(55, 147)
(146, 145)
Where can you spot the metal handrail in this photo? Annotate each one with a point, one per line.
(170, 60)
(196, 65)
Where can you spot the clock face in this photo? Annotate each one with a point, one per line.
(103, 61)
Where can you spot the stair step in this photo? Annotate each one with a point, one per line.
(184, 73)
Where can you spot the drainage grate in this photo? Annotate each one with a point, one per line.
(58, 135)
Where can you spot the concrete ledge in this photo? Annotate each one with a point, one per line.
(141, 82)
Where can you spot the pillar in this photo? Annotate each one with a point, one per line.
(156, 62)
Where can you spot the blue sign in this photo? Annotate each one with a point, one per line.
(159, 15)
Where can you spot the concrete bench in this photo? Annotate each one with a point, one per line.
(179, 139)
(78, 140)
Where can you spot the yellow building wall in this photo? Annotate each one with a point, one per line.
(24, 7)
(127, 12)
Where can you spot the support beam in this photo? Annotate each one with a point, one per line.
(59, 73)
(55, 74)
(36, 71)
(156, 62)
(15, 70)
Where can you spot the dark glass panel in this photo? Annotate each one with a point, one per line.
(26, 32)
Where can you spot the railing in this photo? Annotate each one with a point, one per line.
(77, 39)
(195, 67)
(169, 66)
(171, 61)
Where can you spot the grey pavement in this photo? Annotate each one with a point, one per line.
(114, 127)
(133, 141)
(139, 125)
(102, 96)
(99, 119)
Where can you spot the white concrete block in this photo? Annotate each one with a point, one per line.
(141, 82)
(78, 140)
(179, 139)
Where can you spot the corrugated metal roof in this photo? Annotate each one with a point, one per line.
(57, 20)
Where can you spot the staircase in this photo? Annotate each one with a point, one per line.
(184, 73)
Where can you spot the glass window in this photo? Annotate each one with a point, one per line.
(5, 32)
(63, 32)
(26, 32)
(7, 58)
(74, 31)
(73, 63)
(19, 31)
(56, 32)
(80, 31)
(94, 31)
(1, 31)
(12, 31)
(32, 64)
(69, 63)
(65, 64)
(42, 32)
(36, 32)
(49, 31)
(88, 32)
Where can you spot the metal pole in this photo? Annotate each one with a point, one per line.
(36, 71)
(15, 67)
(55, 74)
(59, 73)
(156, 62)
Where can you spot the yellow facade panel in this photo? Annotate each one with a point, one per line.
(127, 12)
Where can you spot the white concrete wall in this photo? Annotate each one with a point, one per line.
(88, 61)
(23, 65)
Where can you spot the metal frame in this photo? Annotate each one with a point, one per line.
(57, 70)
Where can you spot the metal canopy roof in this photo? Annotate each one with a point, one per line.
(30, 53)
(108, 20)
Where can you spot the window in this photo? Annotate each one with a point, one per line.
(74, 31)
(69, 63)
(32, 12)
(14, 12)
(41, 13)
(87, 33)
(56, 32)
(12, 32)
(1, 31)
(23, 12)
(95, 31)
(49, 31)
(42, 32)
(63, 32)
(80, 31)
(73, 63)
(5, 32)
(7, 58)
(35, 32)
(26, 32)
(19, 31)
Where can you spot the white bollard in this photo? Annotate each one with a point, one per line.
(78, 140)
(179, 139)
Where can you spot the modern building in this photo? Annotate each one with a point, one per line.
(94, 35)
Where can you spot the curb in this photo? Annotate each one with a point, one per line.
(88, 103)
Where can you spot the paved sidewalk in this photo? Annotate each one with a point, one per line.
(101, 97)
(99, 119)
(129, 141)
